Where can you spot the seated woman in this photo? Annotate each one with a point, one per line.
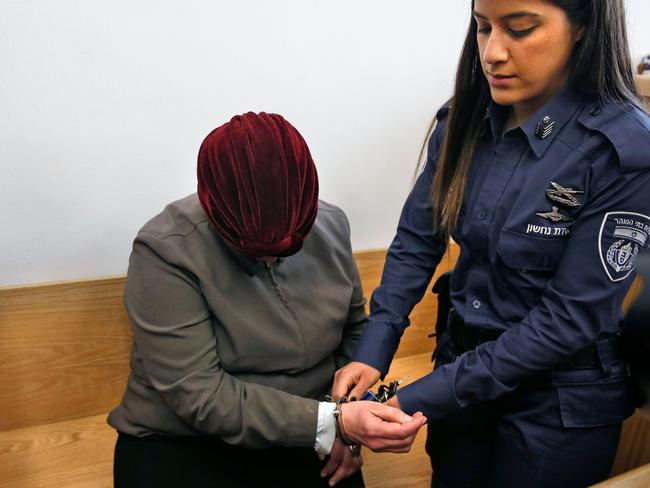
(244, 299)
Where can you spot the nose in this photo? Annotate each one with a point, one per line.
(495, 51)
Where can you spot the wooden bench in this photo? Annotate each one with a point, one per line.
(64, 352)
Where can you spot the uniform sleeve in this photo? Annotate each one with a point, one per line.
(581, 301)
(410, 263)
(173, 330)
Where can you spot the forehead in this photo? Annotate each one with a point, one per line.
(505, 9)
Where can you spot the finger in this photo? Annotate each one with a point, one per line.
(402, 445)
(345, 469)
(411, 428)
(332, 464)
(342, 386)
(389, 445)
(360, 388)
(419, 415)
(338, 475)
(321, 456)
(390, 414)
(391, 434)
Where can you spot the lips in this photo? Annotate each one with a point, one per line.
(499, 80)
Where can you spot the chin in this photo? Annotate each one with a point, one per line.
(504, 97)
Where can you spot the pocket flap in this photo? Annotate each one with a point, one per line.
(522, 251)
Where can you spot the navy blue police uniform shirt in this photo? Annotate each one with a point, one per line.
(554, 213)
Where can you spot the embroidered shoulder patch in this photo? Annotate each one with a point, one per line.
(622, 235)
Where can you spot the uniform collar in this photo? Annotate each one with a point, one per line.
(495, 119)
(558, 109)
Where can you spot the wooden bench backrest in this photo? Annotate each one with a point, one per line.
(64, 351)
(64, 347)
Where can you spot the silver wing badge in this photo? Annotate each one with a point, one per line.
(563, 195)
(554, 215)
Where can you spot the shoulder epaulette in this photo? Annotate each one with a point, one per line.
(628, 130)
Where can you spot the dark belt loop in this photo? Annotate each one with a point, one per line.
(604, 348)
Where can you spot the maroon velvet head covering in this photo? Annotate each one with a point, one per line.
(258, 184)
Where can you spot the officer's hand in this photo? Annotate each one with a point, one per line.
(355, 376)
(380, 427)
(341, 463)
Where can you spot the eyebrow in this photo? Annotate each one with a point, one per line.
(513, 15)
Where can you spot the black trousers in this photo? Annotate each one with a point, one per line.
(194, 462)
(518, 440)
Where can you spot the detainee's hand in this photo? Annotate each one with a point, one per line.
(341, 463)
(393, 402)
(380, 427)
(353, 380)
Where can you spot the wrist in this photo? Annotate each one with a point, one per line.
(340, 428)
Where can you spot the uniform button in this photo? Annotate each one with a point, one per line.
(481, 215)
(595, 111)
(476, 304)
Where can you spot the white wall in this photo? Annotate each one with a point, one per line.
(104, 105)
(638, 15)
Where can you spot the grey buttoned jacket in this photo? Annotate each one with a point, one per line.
(232, 347)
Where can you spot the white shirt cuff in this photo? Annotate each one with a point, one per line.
(325, 428)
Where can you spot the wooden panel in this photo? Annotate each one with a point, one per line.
(415, 339)
(64, 351)
(72, 454)
(643, 83)
(413, 469)
(634, 447)
(637, 478)
(634, 291)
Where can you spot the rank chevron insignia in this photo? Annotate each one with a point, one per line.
(544, 128)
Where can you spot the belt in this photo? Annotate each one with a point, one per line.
(463, 338)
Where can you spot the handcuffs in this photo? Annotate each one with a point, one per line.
(384, 392)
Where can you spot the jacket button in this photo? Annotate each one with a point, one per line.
(595, 111)
(476, 304)
(546, 261)
(481, 215)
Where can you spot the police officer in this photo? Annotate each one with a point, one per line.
(540, 170)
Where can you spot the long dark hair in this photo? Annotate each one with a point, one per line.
(601, 66)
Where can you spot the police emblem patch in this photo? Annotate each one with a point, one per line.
(622, 235)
